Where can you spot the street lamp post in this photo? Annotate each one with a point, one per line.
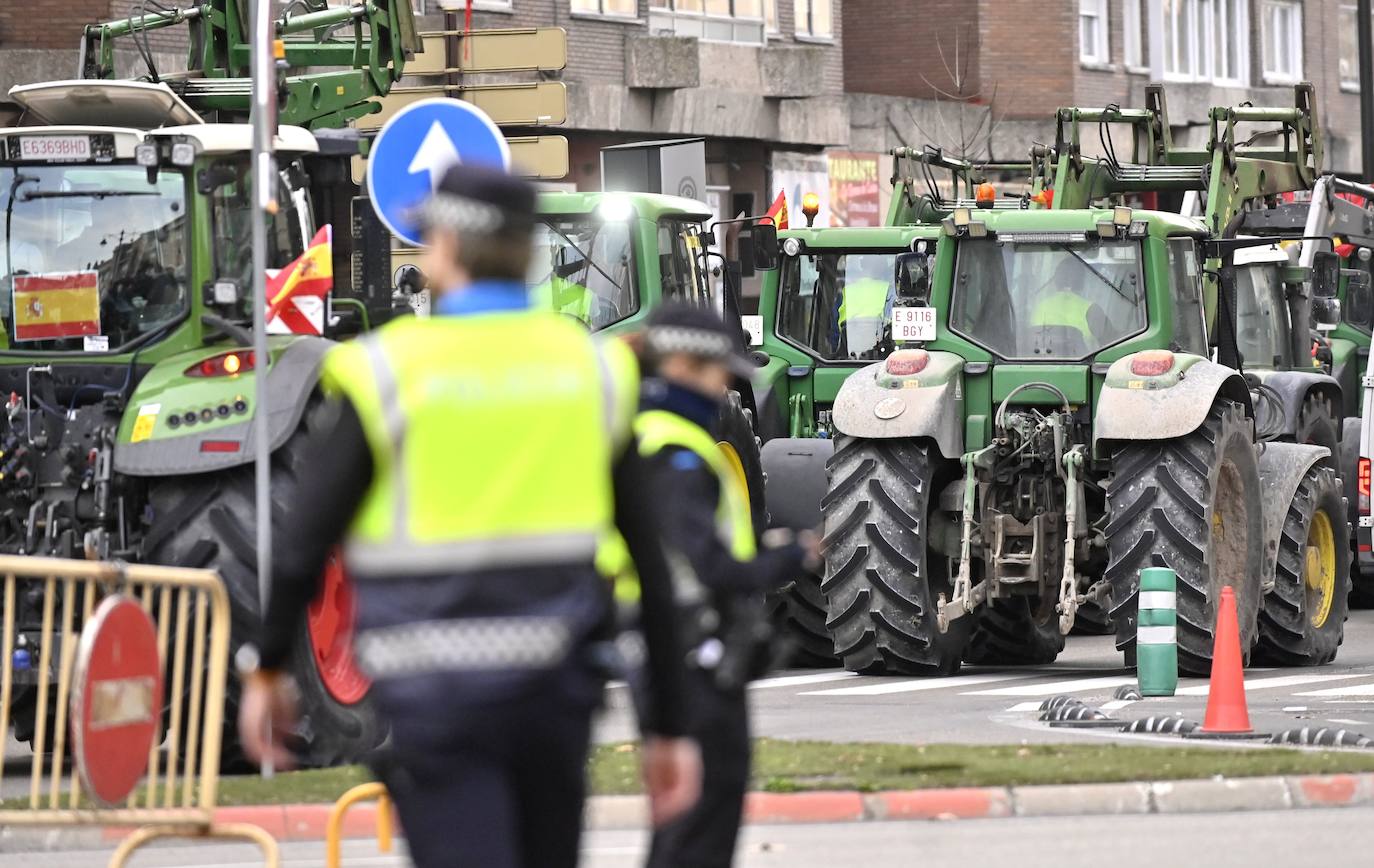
(1366, 52)
(264, 120)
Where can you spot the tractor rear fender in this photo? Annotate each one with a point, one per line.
(1282, 466)
(1293, 387)
(1173, 404)
(876, 405)
(291, 379)
(796, 480)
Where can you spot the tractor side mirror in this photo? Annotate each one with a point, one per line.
(1359, 298)
(912, 279)
(764, 240)
(1326, 275)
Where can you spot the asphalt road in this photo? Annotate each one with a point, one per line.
(1333, 838)
(997, 705)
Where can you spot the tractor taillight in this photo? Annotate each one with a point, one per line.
(1362, 476)
(1152, 363)
(904, 363)
(223, 365)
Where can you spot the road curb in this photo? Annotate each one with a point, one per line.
(306, 822)
(1206, 795)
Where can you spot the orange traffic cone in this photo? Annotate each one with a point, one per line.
(1226, 710)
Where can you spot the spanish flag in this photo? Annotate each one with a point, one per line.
(59, 305)
(296, 293)
(778, 211)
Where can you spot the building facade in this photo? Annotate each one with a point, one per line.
(1021, 59)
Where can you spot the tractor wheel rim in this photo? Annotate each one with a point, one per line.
(1319, 568)
(329, 623)
(737, 468)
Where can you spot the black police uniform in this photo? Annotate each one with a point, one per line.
(718, 716)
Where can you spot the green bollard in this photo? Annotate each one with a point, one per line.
(1156, 632)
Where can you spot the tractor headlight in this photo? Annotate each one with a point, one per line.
(183, 154)
(146, 155)
(792, 246)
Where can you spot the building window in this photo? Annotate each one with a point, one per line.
(1131, 44)
(1204, 41)
(713, 20)
(1281, 34)
(1092, 31)
(813, 19)
(617, 8)
(770, 15)
(1349, 38)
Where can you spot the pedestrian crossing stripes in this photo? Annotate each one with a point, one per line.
(910, 685)
(1033, 685)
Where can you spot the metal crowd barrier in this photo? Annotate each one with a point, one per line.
(189, 609)
(333, 833)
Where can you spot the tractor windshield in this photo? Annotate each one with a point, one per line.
(1262, 316)
(92, 257)
(837, 304)
(584, 267)
(1040, 300)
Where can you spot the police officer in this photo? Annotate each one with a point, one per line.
(694, 357)
(1065, 303)
(475, 460)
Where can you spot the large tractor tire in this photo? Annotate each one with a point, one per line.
(1302, 621)
(799, 612)
(735, 432)
(1191, 504)
(1317, 424)
(880, 583)
(208, 521)
(1015, 632)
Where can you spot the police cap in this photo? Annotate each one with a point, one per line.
(480, 200)
(697, 331)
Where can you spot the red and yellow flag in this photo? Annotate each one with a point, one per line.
(778, 211)
(311, 275)
(48, 306)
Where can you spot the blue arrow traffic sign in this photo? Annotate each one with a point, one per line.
(414, 149)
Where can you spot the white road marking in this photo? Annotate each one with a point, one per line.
(1281, 681)
(1347, 690)
(1116, 704)
(1347, 721)
(1025, 706)
(798, 680)
(906, 686)
(1295, 708)
(1051, 688)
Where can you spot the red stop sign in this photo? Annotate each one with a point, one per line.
(116, 699)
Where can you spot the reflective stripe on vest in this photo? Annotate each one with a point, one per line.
(1064, 309)
(492, 441)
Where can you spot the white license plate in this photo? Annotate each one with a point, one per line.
(1366, 521)
(913, 323)
(54, 147)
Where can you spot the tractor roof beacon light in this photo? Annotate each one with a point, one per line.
(792, 246)
(811, 206)
(985, 195)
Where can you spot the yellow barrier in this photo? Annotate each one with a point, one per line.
(334, 828)
(190, 611)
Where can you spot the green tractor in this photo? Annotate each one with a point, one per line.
(826, 313)
(127, 287)
(1060, 425)
(608, 258)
